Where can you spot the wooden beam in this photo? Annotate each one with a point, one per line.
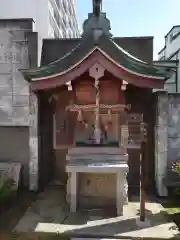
(143, 173)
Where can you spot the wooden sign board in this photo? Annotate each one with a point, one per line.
(134, 132)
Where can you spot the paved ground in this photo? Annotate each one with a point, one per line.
(12, 212)
(49, 214)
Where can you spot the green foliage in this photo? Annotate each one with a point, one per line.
(177, 191)
(176, 169)
(7, 188)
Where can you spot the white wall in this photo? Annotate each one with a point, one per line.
(35, 9)
(172, 47)
(179, 72)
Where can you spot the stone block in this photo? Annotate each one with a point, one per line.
(6, 103)
(20, 85)
(173, 150)
(162, 109)
(174, 130)
(90, 184)
(20, 49)
(161, 143)
(33, 145)
(160, 186)
(174, 115)
(5, 68)
(162, 119)
(5, 40)
(11, 171)
(5, 84)
(160, 163)
(33, 130)
(21, 115)
(33, 174)
(33, 140)
(8, 56)
(5, 110)
(17, 35)
(33, 163)
(20, 100)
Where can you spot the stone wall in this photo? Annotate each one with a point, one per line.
(173, 128)
(14, 148)
(14, 90)
(18, 50)
(167, 136)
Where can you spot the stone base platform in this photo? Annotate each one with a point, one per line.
(97, 174)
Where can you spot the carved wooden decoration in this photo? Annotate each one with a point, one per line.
(96, 71)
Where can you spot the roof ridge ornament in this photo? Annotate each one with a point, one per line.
(97, 22)
(97, 7)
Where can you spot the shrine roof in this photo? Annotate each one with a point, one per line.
(96, 44)
(53, 49)
(84, 47)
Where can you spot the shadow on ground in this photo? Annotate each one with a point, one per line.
(50, 214)
(119, 225)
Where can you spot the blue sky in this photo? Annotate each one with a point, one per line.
(137, 17)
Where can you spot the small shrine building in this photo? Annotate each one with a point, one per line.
(87, 98)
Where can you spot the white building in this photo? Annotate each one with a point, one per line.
(170, 54)
(52, 18)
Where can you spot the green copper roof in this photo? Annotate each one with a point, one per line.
(96, 33)
(84, 47)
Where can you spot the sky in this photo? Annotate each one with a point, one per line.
(131, 18)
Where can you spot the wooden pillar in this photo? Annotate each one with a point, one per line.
(143, 172)
(33, 143)
(97, 131)
(97, 71)
(142, 182)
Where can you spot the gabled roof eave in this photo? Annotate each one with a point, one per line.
(96, 48)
